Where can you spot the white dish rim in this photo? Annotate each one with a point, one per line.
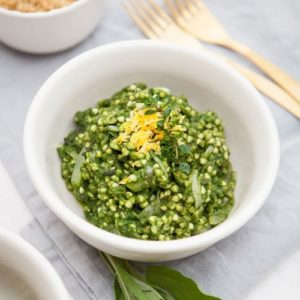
(134, 245)
(37, 261)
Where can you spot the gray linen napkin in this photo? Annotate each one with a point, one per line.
(232, 266)
(227, 269)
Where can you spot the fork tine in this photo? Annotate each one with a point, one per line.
(139, 20)
(199, 3)
(148, 7)
(193, 5)
(180, 5)
(177, 9)
(160, 11)
(172, 7)
(153, 20)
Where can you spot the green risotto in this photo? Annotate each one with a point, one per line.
(145, 164)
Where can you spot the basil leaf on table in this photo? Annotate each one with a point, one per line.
(118, 292)
(166, 295)
(176, 284)
(134, 289)
(158, 283)
(129, 287)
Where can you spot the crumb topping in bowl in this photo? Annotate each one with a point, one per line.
(34, 5)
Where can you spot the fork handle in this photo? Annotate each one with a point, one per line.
(265, 86)
(289, 84)
(269, 89)
(262, 84)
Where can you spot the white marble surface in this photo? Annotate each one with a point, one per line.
(271, 27)
(282, 283)
(14, 214)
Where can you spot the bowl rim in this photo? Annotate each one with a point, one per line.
(44, 14)
(37, 261)
(78, 224)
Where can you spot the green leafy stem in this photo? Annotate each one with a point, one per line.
(156, 283)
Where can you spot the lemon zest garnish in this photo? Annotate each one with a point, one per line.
(141, 131)
(124, 180)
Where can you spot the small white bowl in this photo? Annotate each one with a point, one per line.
(52, 31)
(29, 269)
(208, 83)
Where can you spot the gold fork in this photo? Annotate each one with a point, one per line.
(194, 17)
(156, 24)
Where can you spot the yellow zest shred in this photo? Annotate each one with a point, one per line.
(141, 131)
(124, 180)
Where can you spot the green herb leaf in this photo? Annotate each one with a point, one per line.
(216, 217)
(196, 189)
(185, 149)
(176, 284)
(150, 210)
(108, 172)
(150, 112)
(167, 111)
(164, 293)
(140, 290)
(160, 124)
(137, 186)
(113, 128)
(76, 174)
(70, 151)
(118, 291)
(150, 101)
(160, 283)
(157, 160)
(132, 288)
(107, 102)
(185, 168)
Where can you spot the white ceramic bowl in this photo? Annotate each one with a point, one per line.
(209, 84)
(29, 269)
(52, 31)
